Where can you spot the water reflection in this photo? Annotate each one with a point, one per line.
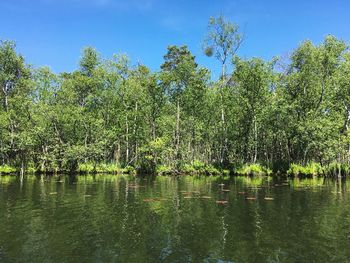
(108, 218)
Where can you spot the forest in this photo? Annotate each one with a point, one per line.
(289, 115)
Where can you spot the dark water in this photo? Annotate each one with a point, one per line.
(108, 218)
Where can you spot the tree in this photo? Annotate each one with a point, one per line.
(16, 85)
(89, 61)
(111, 112)
(223, 40)
(252, 92)
(177, 71)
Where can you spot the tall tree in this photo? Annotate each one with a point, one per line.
(16, 85)
(177, 71)
(223, 40)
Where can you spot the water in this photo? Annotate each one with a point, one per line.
(107, 218)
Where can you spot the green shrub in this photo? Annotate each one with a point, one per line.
(310, 169)
(100, 168)
(211, 170)
(112, 168)
(225, 172)
(333, 169)
(85, 168)
(188, 169)
(253, 169)
(128, 170)
(6, 169)
(163, 170)
(31, 170)
(107, 168)
(200, 168)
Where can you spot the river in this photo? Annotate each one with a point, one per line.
(117, 218)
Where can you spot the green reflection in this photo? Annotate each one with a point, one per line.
(121, 218)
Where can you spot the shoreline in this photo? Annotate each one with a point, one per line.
(310, 170)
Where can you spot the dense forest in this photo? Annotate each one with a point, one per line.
(290, 114)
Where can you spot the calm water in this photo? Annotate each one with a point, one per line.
(108, 218)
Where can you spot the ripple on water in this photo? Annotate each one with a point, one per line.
(113, 218)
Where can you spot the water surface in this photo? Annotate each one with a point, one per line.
(108, 218)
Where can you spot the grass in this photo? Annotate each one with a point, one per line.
(313, 169)
(6, 169)
(128, 170)
(89, 168)
(163, 170)
(201, 168)
(194, 168)
(253, 170)
(309, 170)
(334, 169)
(86, 168)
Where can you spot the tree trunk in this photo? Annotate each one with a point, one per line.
(347, 119)
(153, 130)
(255, 141)
(22, 166)
(223, 71)
(135, 131)
(224, 139)
(117, 153)
(177, 133)
(5, 91)
(127, 140)
(6, 103)
(86, 140)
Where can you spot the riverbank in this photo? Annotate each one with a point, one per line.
(312, 169)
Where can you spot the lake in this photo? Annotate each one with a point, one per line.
(110, 218)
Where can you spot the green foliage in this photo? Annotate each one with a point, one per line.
(86, 168)
(189, 169)
(89, 60)
(163, 170)
(223, 40)
(310, 169)
(107, 168)
(5, 169)
(211, 170)
(199, 168)
(109, 114)
(225, 172)
(253, 169)
(337, 169)
(31, 169)
(128, 170)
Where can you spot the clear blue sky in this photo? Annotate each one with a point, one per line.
(53, 32)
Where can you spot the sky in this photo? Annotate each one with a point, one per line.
(54, 32)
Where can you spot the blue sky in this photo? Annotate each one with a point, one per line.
(53, 32)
